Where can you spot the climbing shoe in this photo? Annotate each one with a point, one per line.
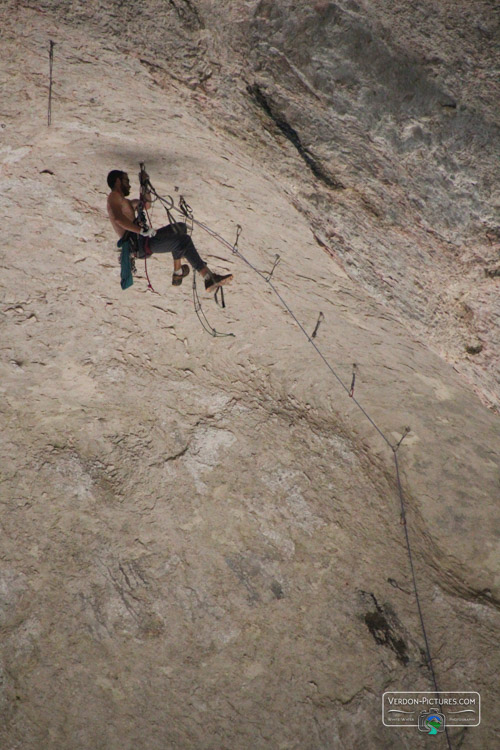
(177, 277)
(214, 281)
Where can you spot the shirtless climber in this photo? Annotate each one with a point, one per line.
(122, 214)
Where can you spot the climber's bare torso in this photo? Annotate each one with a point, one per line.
(121, 210)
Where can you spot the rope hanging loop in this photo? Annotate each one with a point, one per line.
(202, 317)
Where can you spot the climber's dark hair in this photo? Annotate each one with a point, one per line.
(113, 176)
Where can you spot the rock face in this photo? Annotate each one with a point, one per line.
(202, 542)
(397, 106)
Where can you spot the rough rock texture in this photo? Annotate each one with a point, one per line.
(201, 538)
(397, 102)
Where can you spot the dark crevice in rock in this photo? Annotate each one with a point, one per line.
(188, 13)
(246, 571)
(318, 171)
(493, 272)
(277, 590)
(474, 348)
(486, 597)
(379, 625)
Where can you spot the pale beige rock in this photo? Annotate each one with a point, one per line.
(199, 532)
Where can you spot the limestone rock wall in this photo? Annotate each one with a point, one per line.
(394, 104)
(201, 539)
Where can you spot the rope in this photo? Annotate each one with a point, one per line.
(150, 286)
(235, 250)
(309, 338)
(186, 210)
(415, 587)
(414, 579)
(350, 392)
(201, 315)
(168, 205)
(145, 223)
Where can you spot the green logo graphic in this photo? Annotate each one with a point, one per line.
(431, 722)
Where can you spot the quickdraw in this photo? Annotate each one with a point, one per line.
(353, 381)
